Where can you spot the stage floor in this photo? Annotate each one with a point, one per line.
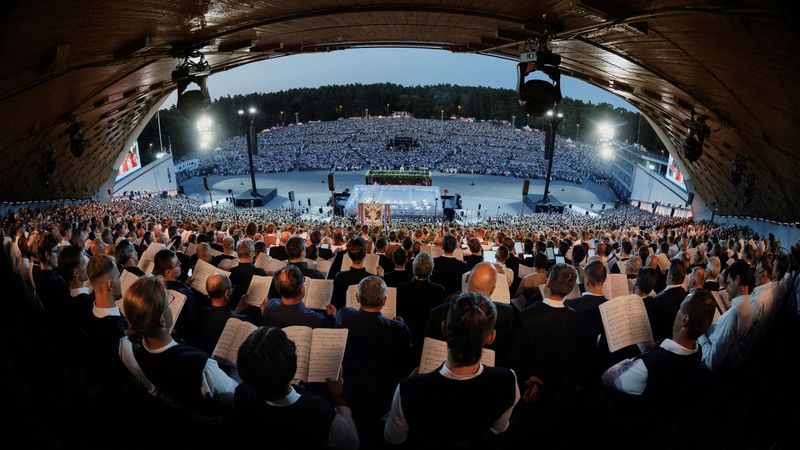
(405, 200)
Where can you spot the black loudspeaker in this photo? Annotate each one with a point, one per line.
(525, 186)
(330, 181)
(690, 199)
(205, 183)
(291, 196)
(309, 202)
(109, 192)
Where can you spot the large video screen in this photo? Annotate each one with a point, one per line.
(673, 174)
(131, 163)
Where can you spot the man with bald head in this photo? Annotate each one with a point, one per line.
(214, 316)
(481, 280)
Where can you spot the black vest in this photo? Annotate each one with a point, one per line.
(305, 424)
(177, 373)
(446, 413)
(671, 379)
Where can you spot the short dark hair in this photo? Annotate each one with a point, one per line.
(540, 260)
(647, 279)
(474, 246)
(295, 246)
(98, 266)
(596, 272)
(578, 254)
(449, 243)
(381, 242)
(267, 362)
(123, 250)
(699, 306)
(288, 281)
(562, 279)
(357, 249)
(740, 269)
(46, 243)
(68, 259)
(163, 261)
(501, 253)
(677, 271)
(470, 319)
(528, 246)
(399, 257)
(315, 237)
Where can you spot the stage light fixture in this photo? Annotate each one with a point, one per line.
(77, 144)
(194, 69)
(538, 96)
(698, 132)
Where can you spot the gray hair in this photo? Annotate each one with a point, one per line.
(371, 291)
(245, 248)
(714, 266)
(422, 265)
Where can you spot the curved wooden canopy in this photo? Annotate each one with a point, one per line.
(109, 63)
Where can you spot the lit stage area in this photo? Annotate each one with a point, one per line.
(404, 200)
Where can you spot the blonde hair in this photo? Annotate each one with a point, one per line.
(144, 304)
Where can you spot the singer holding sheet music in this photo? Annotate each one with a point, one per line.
(181, 374)
(288, 418)
(463, 403)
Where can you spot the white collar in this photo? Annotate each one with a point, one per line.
(593, 295)
(287, 400)
(78, 291)
(100, 313)
(678, 349)
(672, 286)
(553, 303)
(171, 344)
(445, 372)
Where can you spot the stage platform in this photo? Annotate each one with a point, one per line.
(405, 200)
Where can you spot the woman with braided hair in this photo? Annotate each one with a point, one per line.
(177, 373)
(462, 403)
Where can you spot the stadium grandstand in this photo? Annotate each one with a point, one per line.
(232, 297)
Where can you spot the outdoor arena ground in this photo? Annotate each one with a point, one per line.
(489, 191)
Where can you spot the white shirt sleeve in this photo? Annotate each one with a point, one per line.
(129, 360)
(396, 429)
(629, 376)
(343, 434)
(501, 424)
(717, 341)
(216, 384)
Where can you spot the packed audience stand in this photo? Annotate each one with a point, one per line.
(713, 309)
(453, 146)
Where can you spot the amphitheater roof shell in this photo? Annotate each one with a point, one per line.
(109, 64)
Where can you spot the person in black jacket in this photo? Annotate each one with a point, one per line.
(400, 274)
(357, 251)
(447, 270)
(385, 260)
(185, 375)
(187, 325)
(662, 308)
(462, 403)
(476, 253)
(242, 274)
(104, 324)
(287, 417)
(417, 298)
(296, 252)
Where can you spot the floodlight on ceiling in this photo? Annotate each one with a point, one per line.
(539, 96)
(698, 132)
(194, 69)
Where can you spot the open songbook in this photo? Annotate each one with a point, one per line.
(390, 310)
(146, 261)
(663, 261)
(616, 285)
(203, 270)
(525, 270)
(625, 322)
(434, 353)
(324, 266)
(318, 293)
(191, 249)
(126, 279)
(370, 263)
(501, 293)
(261, 261)
(232, 337)
(258, 291)
(319, 352)
(176, 302)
